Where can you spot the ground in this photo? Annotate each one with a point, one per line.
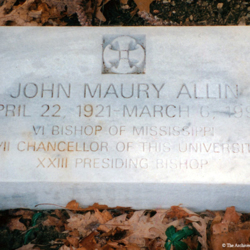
(100, 227)
(124, 12)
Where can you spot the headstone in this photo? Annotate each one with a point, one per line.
(141, 117)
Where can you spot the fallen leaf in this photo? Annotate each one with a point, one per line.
(64, 247)
(244, 225)
(128, 246)
(143, 5)
(89, 242)
(155, 244)
(99, 14)
(26, 214)
(52, 221)
(124, 2)
(103, 217)
(73, 241)
(140, 226)
(192, 242)
(84, 223)
(201, 226)
(231, 216)
(220, 228)
(75, 233)
(217, 219)
(28, 247)
(73, 205)
(237, 237)
(14, 223)
(179, 213)
(100, 5)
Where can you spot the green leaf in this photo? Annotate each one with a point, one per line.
(187, 231)
(34, 218)
(168, 245)
(26, 237)
(178, 236)
(179, 245)
(170, 231)
(33, 223)
(199, 246)
(173, 237)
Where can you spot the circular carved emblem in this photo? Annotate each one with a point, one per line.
(124, 55)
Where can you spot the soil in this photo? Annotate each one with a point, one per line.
(41, 235)
(125, 12)
(186, 13)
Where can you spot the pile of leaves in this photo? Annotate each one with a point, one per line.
(100, 227)
(123, 12)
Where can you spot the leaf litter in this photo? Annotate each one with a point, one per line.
(123, 12)
(99, 227)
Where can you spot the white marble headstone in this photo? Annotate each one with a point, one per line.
(141, 117)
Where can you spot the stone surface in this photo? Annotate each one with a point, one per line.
(141, 117)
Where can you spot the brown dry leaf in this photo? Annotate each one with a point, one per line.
(220, 228)
(75, 233)
(61, 4)
(179, 213)
(201, 226)
(244, 225)
(97, 206)
(89, 242)
(28, 247)
(64, 247)
(52, 221)
(237, 237)
(99, 15)
(217, 219)
(73, 241)
(140, 226)
(42, 7)
(178, 224)
(192, 242)
(155, 244)
(100, 4)
(231, 216)
(62, 215)
(59, 214)
(128, 246)
(74, 205)
(143, 5)
(84, 223)
(122, 209)
(107, 247)
(124, 2)
(26, 214)
(103, 217)
(16, 224)
(29, 13)
(18, 16)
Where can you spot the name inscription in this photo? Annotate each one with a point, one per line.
(127, 91)
(69, 127)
